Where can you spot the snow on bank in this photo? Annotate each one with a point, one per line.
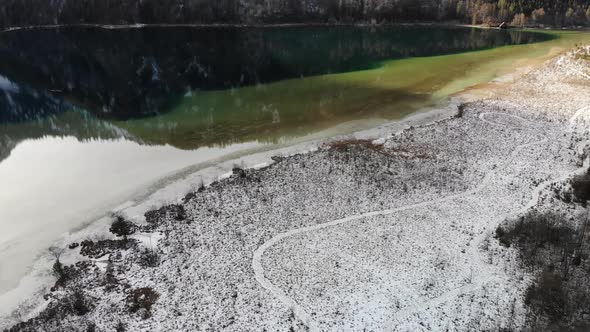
(354, 236)
(165, 191)
(33, 219)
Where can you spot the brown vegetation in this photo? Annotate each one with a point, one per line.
(581, 186)
(369, 145)
(347, 144)
(98, 249)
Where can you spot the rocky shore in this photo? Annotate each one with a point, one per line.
(428, 228)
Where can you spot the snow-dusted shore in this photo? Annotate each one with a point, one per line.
(351, 235)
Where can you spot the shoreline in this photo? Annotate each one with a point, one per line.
(172, 194)
(173, 188)
(386, 130)
(280, 25)
(225, 25)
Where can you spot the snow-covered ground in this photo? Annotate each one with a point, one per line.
(355, 235)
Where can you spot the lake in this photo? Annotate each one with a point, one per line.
(91, 118)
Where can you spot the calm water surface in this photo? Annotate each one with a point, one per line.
(90, 116)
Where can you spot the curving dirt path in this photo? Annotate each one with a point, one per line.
(306, 318)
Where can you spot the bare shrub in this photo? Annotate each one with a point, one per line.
(581, 186)
(58, 269)
(79, 303)
(142, 299)
(91, 327)
(460, 111)
(180, 213)
(535, 231)
(59, 273)
(149, 258)
(547, 296)
(238, 171)
(519, 20)
(538, 16)
(110, 279)
(122, 227)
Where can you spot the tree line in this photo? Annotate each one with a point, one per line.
(492, 12)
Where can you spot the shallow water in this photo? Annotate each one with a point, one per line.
(89, 117)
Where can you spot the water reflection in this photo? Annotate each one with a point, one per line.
(193, 87)
(129, 73)
(28, 114)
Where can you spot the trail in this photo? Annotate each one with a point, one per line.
(306, 318)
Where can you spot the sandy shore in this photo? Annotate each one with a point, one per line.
(390, 233)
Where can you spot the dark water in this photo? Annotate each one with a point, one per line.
(130, 73)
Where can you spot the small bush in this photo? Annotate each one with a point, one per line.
(65, 274)
(581, 186)
(122, 227)
(547, 297)
(238, 171)
(460, 111)
(91, 327)
(59, 272)
(180, 213)
(149, 258)
(110, 279)
(121, 327)
(78, 303)
(534, 231)
(142, 299)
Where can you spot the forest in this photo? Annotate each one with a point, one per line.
(556, 13)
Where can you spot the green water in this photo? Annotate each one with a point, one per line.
(191, 88)
(194, 87)
(298, 107)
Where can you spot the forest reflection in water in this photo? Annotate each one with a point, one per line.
(192, 87)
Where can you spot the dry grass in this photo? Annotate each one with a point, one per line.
(347, 144)
(368, 144)
(582, 53)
